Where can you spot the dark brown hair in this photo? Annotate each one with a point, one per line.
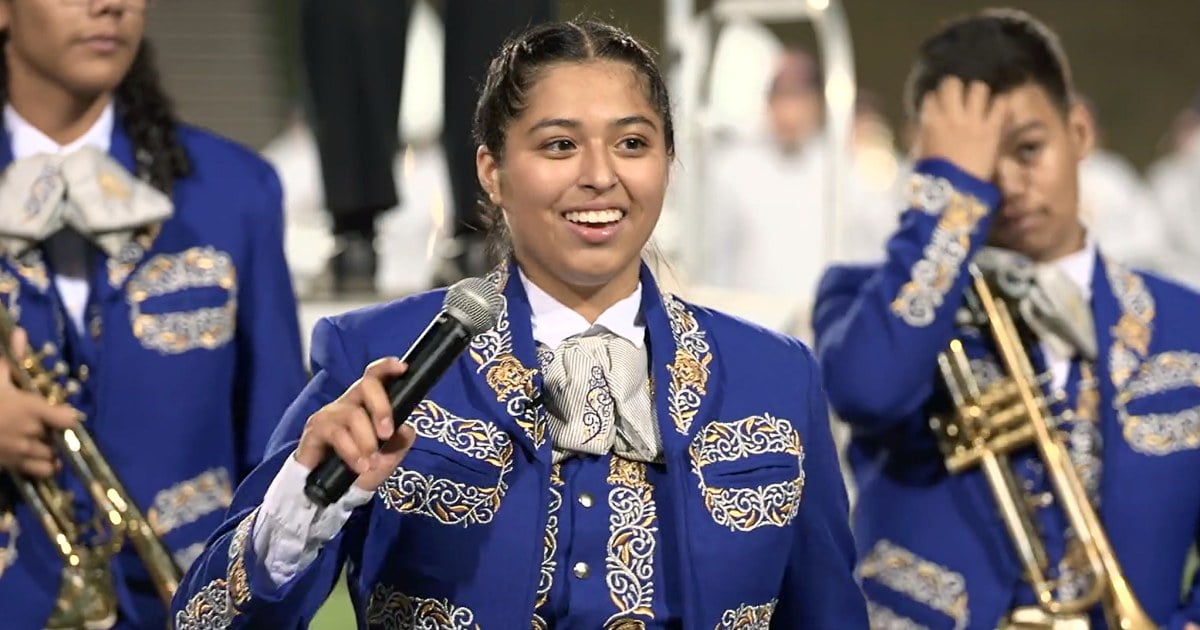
(1003, 48)
(517, 67)
(146, 114)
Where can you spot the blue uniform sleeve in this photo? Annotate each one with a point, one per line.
(878, 333)
(270, 370)
(819, 587)
(226, 587)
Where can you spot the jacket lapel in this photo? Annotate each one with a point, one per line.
(503, 368)
(682, 355)
(111, 274)
(684, 373)
(1124, 312)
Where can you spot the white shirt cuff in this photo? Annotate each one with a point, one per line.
(290, 529)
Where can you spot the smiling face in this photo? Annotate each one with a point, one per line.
(582, 177)
(82, 48)
(1038, 175)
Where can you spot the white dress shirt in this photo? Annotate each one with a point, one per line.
(1079, 267)
(290, 529)
(27, 141)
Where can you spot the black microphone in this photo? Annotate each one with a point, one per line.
(471, 307)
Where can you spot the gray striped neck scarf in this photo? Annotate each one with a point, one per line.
(597, 395)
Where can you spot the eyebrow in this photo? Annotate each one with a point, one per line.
(570, 123)
(1029, 126)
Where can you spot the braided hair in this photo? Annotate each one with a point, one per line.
(147, 115)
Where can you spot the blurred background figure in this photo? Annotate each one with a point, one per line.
(1114, 197)
(1174, 181)
(354, 59)
(766, 207)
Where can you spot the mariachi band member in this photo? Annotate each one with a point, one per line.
(149, 255)
(607, 455)
(995, 195)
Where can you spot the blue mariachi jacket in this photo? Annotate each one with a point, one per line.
(753, 507)
(192, 352)
(933, 550)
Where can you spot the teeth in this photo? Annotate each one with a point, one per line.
(612, 215)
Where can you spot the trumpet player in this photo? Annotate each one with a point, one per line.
(1089, 487)
(148, 255)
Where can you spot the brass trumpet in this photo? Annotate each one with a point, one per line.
(86, 597)
(987, 423)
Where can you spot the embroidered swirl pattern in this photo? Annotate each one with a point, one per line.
(447, 501)
(1084, 442)
(549, 546)
(1137, 374)
(884, 618)
(599, 411)
(9, 531)
(689, 367)
(745, 509)
(188, 501)
(177, 332)
(32, 267)
(390, 609)
(209, 609)
(935, 273)
(1161, 433)
(632, 525)
(217, 604)
(512, 382)
(926, 582)
(186, 557)
(746, 617)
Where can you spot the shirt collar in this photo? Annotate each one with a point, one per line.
(28, 140)
(1080, 265)
(554, 322)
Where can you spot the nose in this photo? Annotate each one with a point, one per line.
(597, 170)
(1012, 179)
(102, 7)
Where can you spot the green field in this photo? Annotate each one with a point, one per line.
(337, 613)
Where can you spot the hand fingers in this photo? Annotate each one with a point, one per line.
(387, 459)
(57, 416)
(361, 429)
(378, 406)
(38, 468)
(385, 369)
(400, 442)
(347, 448)
(999, 112)
(19, 343)
(951, 94)
(33, 448)
(33, 415)
(977, 99)
(38, 459)
(930, 108)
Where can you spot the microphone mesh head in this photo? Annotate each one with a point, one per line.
(476, 303)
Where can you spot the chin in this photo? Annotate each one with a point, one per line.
(593, 273)
(100, 77)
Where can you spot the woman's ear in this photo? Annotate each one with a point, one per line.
(487, 168)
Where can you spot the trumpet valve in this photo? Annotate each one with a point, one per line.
(43, 382)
